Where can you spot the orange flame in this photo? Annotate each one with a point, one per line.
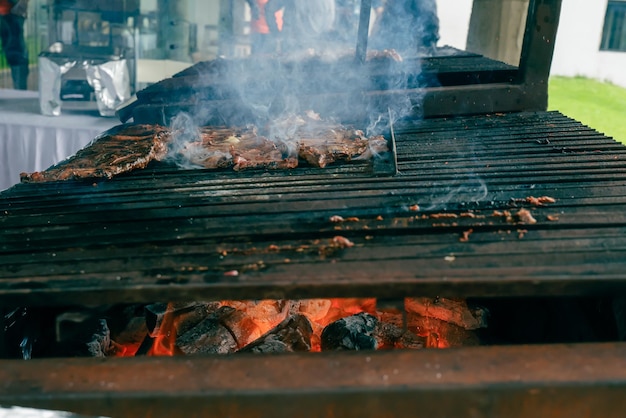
(256, 318)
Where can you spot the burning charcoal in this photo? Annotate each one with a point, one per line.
(252, 319)
(408, 340)
(188, 319)
(314, 309)
(208, 337)
(269, 345)
(293, 334)
(390, 336)
(134, 332)
(454, 311)
(241, 327)
(354, 332)
(441, 334)
(100, 340)
(391, 331)
(127, 324)
(185, 314)
(155, 314)
(269, 311)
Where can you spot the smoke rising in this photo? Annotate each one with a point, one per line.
(185, 133)
(471, 189)
(314, 68)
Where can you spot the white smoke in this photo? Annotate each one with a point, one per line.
(316, 69)
(181, 151)
(470, 189)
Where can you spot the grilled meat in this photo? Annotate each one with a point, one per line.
(322, 147)
(212, 149)
(237, 148)
(261, 153)
(316, 143)
(129, 147)
(121, 149)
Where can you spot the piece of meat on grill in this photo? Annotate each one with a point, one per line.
(317, 143)
(121, 149)
(129, 147)
(260, 152)
(212, 147)
(241, 148)
(320, 147)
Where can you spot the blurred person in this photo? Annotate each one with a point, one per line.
(12, 17)
(408, 26)
(263, 40)
(305, 22)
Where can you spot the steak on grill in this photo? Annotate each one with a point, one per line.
(121, 149)
(322, 147)
(129, 147)
(239, 148)
(319, 144)
(262, 153)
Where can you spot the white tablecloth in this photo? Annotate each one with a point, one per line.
(31, 142)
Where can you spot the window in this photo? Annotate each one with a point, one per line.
(614, 33)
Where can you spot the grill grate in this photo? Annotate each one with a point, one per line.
(168, 234)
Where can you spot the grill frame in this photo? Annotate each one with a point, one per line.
(519, 381)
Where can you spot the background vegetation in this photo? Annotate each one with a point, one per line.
(601, 106)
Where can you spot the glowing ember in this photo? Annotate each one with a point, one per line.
(342, 323)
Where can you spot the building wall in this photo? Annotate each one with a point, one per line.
(612, 67)
(454, 17)
(577, 49)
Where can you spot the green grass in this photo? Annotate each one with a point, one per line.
(601, 106)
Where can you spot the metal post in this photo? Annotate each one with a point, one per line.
(363, 32)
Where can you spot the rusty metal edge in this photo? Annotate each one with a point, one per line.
(498, 381)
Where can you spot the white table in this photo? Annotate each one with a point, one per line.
(31, 142)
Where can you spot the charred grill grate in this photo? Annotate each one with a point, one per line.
(439, 227)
